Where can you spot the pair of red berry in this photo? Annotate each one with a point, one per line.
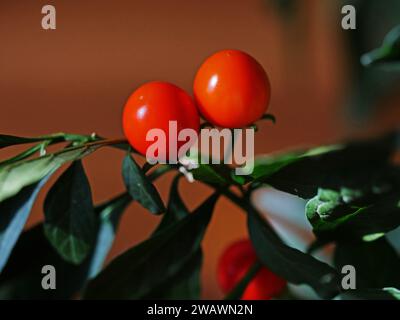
(231, 89)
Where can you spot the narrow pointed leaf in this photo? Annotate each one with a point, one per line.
(140, 187)
(176, 209)
(135, 273)
(15, 176)
(13, 214)
(70, 221)
(109, 215)
(289, 263)
(186, 283)
(8, 140)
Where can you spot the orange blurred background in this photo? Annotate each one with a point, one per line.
(76, 79)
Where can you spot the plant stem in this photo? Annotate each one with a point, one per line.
(239, 289)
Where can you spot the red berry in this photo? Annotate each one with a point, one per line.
(231, 89)
(233, 266)
(153, 106)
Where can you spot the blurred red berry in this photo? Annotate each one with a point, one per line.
(233, 266)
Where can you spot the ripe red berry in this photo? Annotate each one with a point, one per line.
(231, 89)
(233, 266)
(153, 106)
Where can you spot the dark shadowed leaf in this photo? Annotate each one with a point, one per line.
(216, 174)
(176, 209)
(289, 263)
(186, 283)
(140, 187)
(372, 294)
(356, 213)
(326, 167)
(7, 140)
(389, 52)
(21, 278)
(13, 214)
(136, 273)
(70, 221)
(377, 264)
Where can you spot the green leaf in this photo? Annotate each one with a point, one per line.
(354, 213)
(377, 264)
(176, 209)
(17, 175)
(326, 167)
(140, 187)
(70, 221)
(389, 52)
(23, 155)
(135, 273)
(186, 283)
(219, 174)
(14, 213)
(7, 140)
(108, 215)
(216, 174)
(372, 294)
(329, 209)
(289, 263)
(22, 275)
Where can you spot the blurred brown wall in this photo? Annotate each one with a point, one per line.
(76, 79)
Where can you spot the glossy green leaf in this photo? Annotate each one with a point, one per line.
(70, 221)
(13, 214)
(376, 263)
(140, 187)
(135, 273)
(17, 175)
(289, 263)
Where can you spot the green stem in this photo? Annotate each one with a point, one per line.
(239, 289)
